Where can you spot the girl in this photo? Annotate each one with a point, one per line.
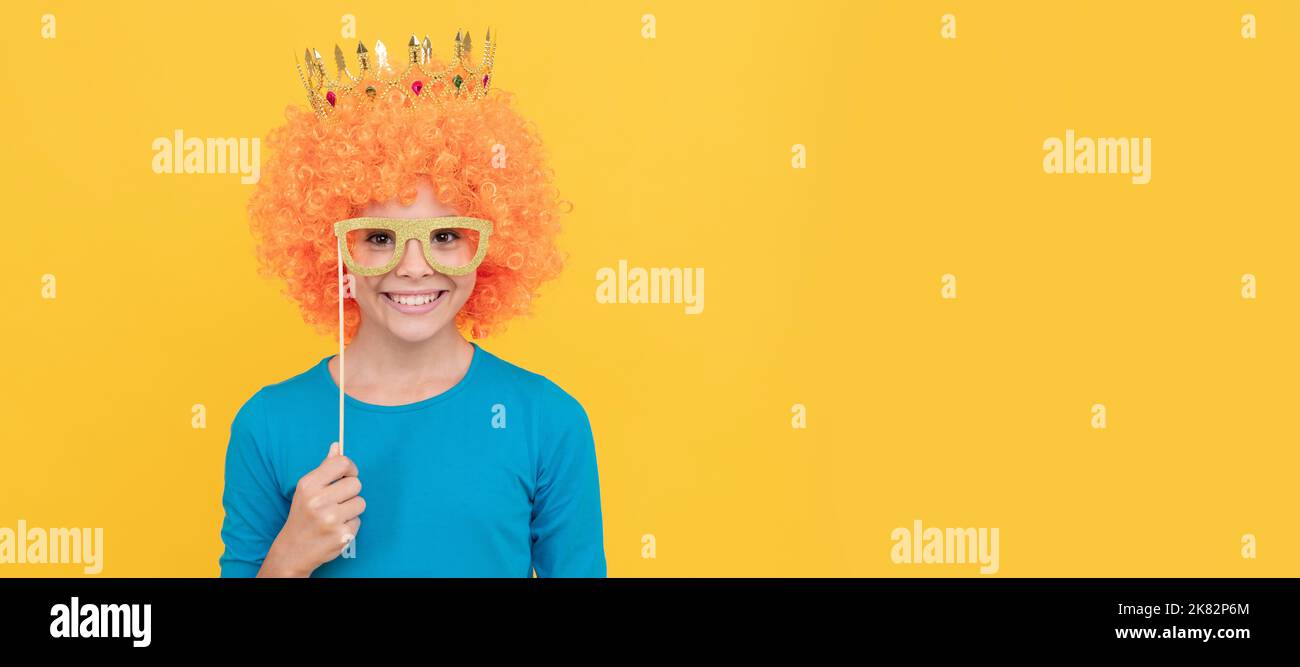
(407, 211)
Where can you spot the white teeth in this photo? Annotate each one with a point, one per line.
(413, 299)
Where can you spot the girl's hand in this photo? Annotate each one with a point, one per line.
(323, 518)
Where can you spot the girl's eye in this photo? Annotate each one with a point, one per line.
(445, 236)
(379, 238)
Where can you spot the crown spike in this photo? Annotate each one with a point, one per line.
(298, 66)
(311, 91)
(363, 56)
(413, 50)
(428, 49)
(318, 64)
(381, 55)
(313, 74)
(340, 63)
(466, 43)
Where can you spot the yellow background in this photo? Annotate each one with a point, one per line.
(822, 284)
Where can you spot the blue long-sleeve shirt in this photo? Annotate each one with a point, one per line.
(494, 477)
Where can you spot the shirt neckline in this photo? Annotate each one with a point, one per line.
(323, 370)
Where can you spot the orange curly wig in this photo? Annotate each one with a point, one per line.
(321, 171)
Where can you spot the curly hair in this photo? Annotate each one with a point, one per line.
(321, 171)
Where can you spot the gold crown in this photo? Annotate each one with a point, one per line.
(459, 80)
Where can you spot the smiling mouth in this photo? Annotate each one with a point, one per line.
(414, 299)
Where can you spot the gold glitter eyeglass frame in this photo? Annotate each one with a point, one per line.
(414, 228)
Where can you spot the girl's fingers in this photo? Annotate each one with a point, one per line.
(344, 489)
(352, 508)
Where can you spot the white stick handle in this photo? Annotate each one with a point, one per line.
(340, 254)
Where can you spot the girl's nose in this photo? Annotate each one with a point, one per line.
(413, 262)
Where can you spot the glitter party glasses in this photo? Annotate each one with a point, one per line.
(453, 245)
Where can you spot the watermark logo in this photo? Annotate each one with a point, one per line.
(74, 620)
(1106, 155)
(194, 155)
(798, 416)
(1098, 412)
(40, 546)
(655, 285)
(1249, 548)
(947, 286)
(945, 546)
